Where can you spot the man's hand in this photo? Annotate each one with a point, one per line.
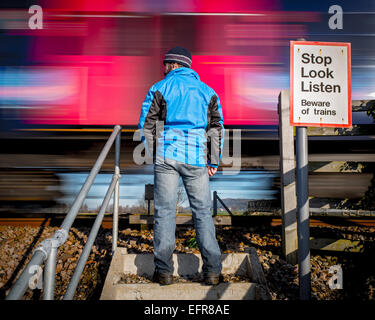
(211, 171)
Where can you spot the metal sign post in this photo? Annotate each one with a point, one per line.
(303, 222)
(320, 86)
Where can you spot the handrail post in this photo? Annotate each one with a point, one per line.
(50, 272)
(40, 254)
(72, 286)
(116, 195)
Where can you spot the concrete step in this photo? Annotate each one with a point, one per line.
(183, 291)
(185, 265)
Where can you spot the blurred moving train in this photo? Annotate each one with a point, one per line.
(93, 62)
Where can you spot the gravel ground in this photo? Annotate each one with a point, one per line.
(17, 244)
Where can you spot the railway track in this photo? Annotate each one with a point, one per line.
(38, 222)
(243, 220)
(326, 223)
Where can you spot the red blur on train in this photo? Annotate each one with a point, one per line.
(93, 61)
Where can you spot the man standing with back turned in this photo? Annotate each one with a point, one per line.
(189, 146)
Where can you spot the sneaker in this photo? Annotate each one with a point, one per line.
(212, 279)
(162, 278)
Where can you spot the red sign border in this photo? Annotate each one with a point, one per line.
(317, 43)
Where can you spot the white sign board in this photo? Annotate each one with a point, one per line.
(320, 84)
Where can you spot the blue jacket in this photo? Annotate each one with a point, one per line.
(192, 117)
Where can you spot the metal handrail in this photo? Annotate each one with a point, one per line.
(47, 249)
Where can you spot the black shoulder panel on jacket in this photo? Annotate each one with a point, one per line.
(214, 131)
(157, 112)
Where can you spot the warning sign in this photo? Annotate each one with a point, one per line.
(320, 76)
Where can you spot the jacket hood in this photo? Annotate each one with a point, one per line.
(182, 71)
